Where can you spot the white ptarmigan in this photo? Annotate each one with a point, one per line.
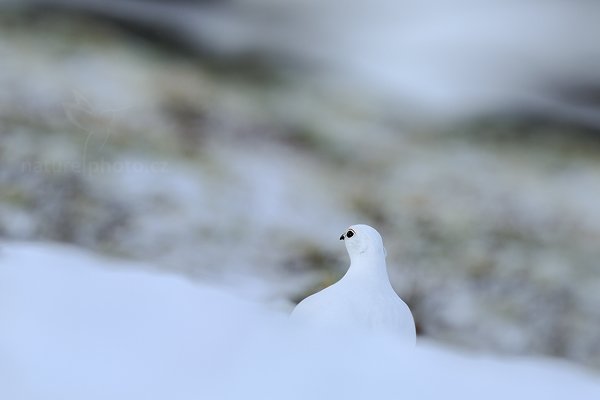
(363, 300)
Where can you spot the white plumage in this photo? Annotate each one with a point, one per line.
(363, 300)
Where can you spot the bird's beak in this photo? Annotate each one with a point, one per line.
(342, 237)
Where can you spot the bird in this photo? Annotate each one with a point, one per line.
(363, 299)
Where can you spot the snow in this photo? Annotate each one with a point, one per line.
(77, 326)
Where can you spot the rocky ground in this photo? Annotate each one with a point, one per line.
(246, 177)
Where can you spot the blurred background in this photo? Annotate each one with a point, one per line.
(232, 141)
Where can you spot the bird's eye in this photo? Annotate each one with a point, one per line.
(350, 233)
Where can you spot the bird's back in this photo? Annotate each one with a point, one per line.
(347, 307)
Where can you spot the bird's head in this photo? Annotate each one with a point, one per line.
(363, 240)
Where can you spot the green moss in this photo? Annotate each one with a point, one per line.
(14, 195)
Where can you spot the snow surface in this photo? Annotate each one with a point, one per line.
(76, 326)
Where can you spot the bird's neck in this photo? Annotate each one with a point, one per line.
(369, 269)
